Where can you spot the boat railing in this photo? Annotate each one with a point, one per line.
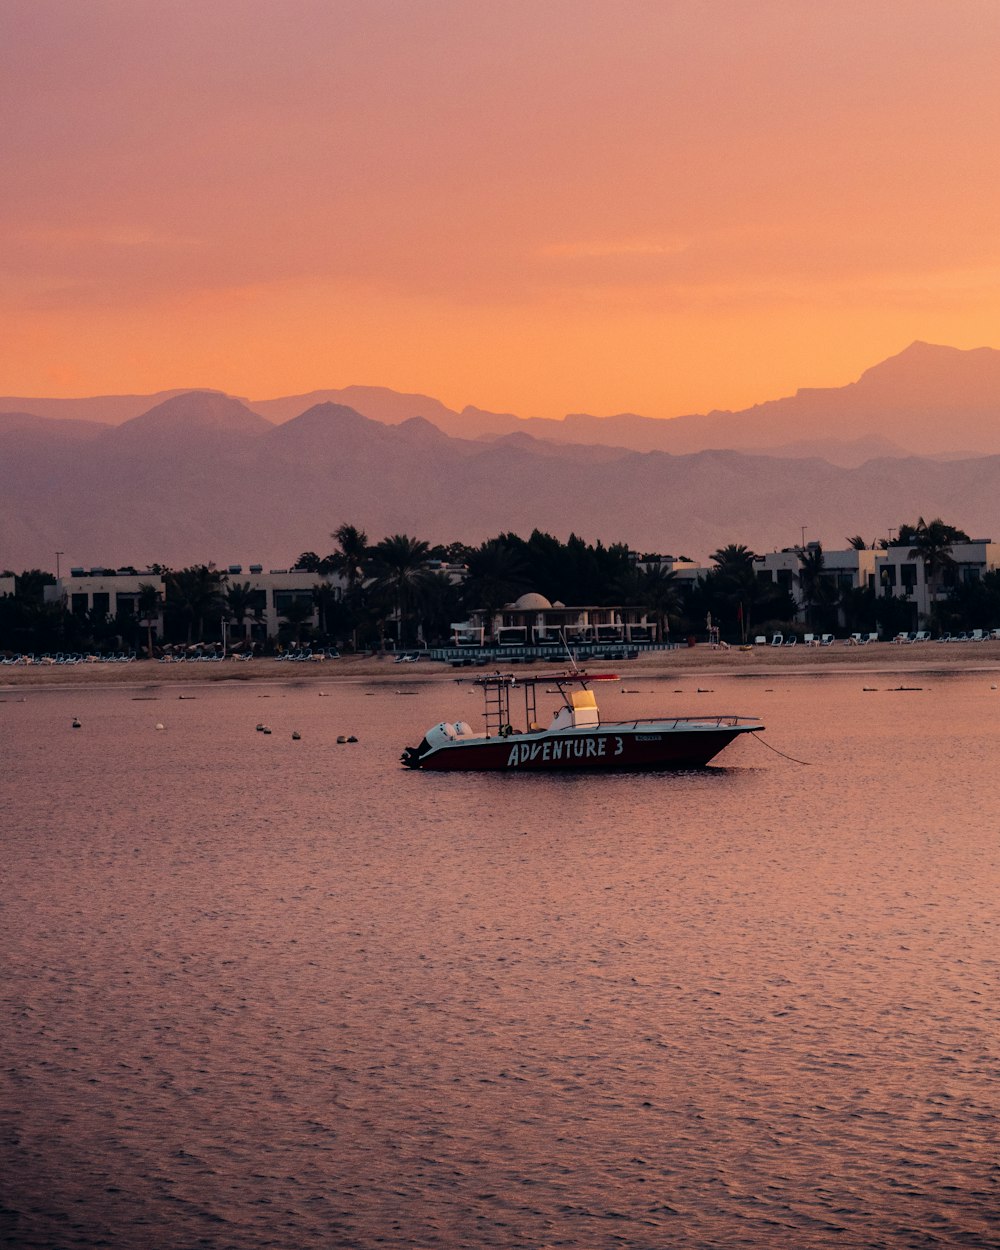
(495, 724)
(655, 722)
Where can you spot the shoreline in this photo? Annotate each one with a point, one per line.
(928, 657)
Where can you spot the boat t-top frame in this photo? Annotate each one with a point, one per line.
(497, 689)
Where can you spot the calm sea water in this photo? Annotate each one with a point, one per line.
(260, 992)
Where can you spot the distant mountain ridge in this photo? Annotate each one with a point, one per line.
(103, 409)
(378, 402)
(201, 476)
(927, 400)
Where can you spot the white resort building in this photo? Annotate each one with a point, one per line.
(904, 577)
(846, 570)
(533, 621)
(116, 592)
(888, 571)
(106, 592)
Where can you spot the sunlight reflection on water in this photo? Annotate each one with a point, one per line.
(265, 992)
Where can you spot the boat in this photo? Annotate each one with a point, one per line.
(575, 738)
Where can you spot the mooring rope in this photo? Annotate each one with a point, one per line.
(783, 754)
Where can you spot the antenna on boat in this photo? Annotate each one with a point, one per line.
(574, 667)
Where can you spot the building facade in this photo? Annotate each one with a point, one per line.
(106, 592)
(116, 593)
(843, 571)
(533, 621)
(904, 576)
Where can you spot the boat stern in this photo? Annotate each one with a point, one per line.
(444, 734)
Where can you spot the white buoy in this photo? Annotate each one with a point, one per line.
(160, 725)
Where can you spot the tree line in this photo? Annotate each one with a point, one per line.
(399, 588)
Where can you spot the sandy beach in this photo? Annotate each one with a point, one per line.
(762, 661)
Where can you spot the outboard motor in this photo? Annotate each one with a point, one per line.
(411, 755)
(445, 732)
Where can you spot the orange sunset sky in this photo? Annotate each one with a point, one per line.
(538, 207)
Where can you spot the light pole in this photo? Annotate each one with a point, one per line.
(804, 537)
(58, 554)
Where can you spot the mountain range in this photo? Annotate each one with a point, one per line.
(185, 476)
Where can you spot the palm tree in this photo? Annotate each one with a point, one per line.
(326, 599)
(932, 543)
(255, 616)
(195, 594)
(654, 588)
(814, 582)
(659, 590)
(239, 603)
(99, 626)
(733, 559)
(732, 588)
(297, 614)
(349, 561)
(496, 574)
(627, 588)
(439, 604)
(148, 608)
(349, 558)
(400, 563)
